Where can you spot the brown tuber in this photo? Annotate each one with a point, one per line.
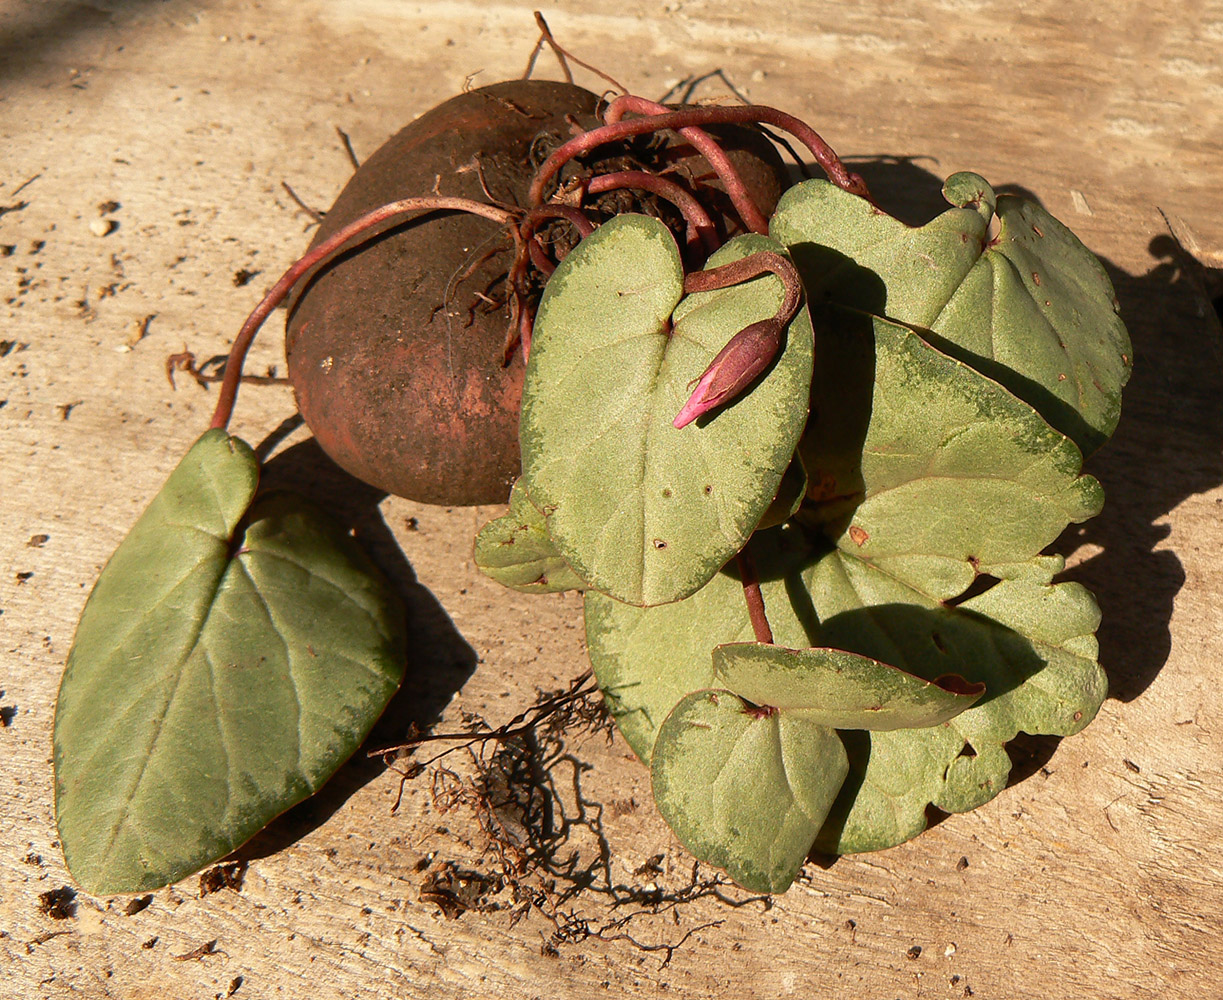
(395, 346)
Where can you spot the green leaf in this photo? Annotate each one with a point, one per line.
(230, 657)
(640, 510)
(1029, 641)
(790, 494)
(836, 688)
(1013, 294)
(515, 550)
(745, 790)
(926, 468)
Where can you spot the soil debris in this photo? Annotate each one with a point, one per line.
(58, 904)
(220, 877)
(134, 906)
(207, 948)
(456, 890)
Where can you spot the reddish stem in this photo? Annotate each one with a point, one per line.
(747, 268)
(539, 257)
(318, 254)
(707, 146)
(700, 225)
(580, 220)
(750, 351)
(755, 600)
(529, 250)
(748, 114)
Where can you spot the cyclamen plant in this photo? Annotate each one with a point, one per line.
(805, 477)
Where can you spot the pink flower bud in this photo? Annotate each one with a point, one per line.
(745, 356)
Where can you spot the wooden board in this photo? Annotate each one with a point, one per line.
(143, 150)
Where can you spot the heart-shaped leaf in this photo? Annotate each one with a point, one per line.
(836, 688)
(230, 657)
(746, 790)
(515, 550)
(639, 509)
(1029, 641)
(928, 469)
(1002, 284)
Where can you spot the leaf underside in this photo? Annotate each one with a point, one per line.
(234, 652)
(836, 688)
(516, 551)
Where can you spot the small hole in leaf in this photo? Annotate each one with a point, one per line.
(968, 750)
(708, 489)
(659, 543)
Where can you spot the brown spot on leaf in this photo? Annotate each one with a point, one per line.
(858, 535)
(759, 711)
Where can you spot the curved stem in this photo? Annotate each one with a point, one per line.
(700, 225)
(707, 146)
(752, 113)
(746, 268)
(316, 255)
(750, 351)
(529, 251)
(539, 257)
(579, 219)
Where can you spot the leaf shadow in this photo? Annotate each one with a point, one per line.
(440, 660)
(1166, 449)
(1168, 446)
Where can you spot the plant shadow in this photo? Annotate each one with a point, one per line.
(1167, 446)
(441, 660)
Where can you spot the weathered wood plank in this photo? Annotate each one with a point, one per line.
(1090, 877)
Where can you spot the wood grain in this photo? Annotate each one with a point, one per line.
(1097, 873)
